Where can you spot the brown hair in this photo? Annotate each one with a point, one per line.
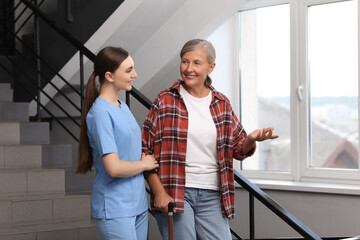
(195, 44)
(107, 60)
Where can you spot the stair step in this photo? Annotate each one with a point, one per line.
(75, 182)
(43, 209)
(57, 155)
(81, 230)
(24, 133)
(5, 92)
(36, 156)
(14, 182)
(20, 156)
(14, 111)
(34, 132)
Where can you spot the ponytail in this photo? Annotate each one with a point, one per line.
(208, 81)
(85, 157)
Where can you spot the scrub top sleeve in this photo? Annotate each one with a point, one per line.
(100, 126)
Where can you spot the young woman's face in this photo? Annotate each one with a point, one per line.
(195, 67)
(124, 75)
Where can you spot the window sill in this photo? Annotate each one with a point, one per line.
(306, 187)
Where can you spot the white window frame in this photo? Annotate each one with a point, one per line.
(299, 110)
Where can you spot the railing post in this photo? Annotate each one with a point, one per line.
(7, 21)
(127, 96)
(38, 66)
(69, 15)
(81, 80)
(251, 216)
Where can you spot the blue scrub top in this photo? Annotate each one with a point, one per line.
(113, 129)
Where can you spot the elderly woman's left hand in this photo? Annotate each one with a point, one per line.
(260, 135)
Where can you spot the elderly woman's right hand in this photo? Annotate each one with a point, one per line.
(161, 201)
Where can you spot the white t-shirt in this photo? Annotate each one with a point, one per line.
(201, 165)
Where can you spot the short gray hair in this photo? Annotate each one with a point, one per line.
(195, 44)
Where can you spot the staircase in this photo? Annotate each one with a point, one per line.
(33, 202)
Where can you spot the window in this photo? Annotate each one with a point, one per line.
(265, 83)
(333, 85)
(299, 73)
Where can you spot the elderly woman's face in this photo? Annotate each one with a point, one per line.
(195, 67)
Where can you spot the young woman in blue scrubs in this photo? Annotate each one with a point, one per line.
(110, 140)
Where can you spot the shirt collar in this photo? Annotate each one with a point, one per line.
(176, 86)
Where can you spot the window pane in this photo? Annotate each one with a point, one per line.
(265, 83)
(333, 64)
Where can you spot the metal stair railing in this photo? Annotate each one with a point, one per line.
(49, 67)
(83, 51)
(37, 14)
(29, 61)
(266, 200)
(35, 84)
(45, 109)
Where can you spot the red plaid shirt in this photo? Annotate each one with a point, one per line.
(165, 136)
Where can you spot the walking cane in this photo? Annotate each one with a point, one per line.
(171, 206)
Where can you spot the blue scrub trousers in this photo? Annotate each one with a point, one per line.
(126, 228)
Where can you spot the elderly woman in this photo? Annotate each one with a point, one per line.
(194, 134)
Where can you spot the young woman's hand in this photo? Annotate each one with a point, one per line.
(149, 162)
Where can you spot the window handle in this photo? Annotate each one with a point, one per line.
(300, 90)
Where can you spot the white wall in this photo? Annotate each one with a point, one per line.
(193, 19)
(226, 73)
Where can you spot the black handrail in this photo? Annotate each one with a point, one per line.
(265, 199)
(140, 97)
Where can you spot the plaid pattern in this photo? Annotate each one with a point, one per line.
(165, 136)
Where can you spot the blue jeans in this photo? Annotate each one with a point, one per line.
(126, 228)
(202, 218)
